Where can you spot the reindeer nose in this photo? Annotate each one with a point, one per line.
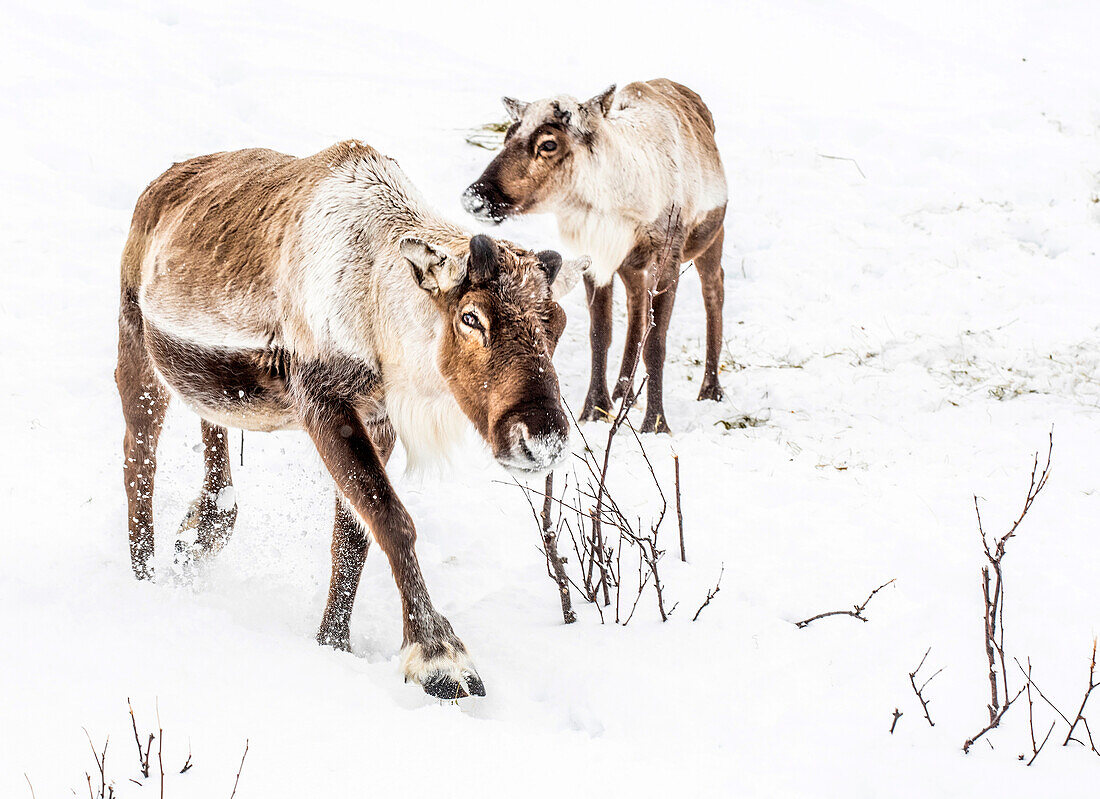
(484, 202)
(541, 451)
(535, 442)
(475, 204)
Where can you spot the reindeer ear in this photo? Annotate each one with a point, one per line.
(569, 276)
(434, 269)
(601, 103)
(550, 262)
(514, 107)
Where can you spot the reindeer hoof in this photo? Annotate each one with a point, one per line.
(655, 424)
(443, 686)
(445, 673)
(338, 640)
(596, 410)
(208, 523)
(711, 391)
(622, 388)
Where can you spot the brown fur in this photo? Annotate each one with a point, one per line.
(652, 144)
(270, 292)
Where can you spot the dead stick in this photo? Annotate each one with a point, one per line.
(920, 691)
(143, 762)
(679, 513)
(897, 715)
(1085, 700)
(711, 594)
(992, 725)
(550, 546)
(160, 750)
(856, 613)
(1044, 743)
(239, 769)
(187, 764)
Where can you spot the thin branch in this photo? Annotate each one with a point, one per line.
(160, 750)
(100, 762)
(143, 760)
(711, 594)
(920, 691)
(1044, 743)
(239, 769)
(187, 765)
(855, 613)
(992, 724)
(1080, 717)
(897, 715)
(550, 546)
(679, 512)
(993, 580)
(1027, 674)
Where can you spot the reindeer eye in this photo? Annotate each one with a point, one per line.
(548, 146)
(470, 320)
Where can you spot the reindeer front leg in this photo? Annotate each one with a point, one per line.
(434, 656)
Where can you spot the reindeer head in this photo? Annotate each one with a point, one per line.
(536, 168)
(501, 325)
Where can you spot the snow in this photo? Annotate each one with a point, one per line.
(908, 325)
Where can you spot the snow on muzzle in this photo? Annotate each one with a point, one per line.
(486, 203)
(532, 439)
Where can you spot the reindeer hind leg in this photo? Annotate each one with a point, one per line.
(350, 542)
(711, 278)
(144, 404)
(212, 514)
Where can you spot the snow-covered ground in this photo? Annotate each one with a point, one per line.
(907, 326)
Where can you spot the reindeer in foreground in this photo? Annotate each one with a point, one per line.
(269, 292)
(636, 181)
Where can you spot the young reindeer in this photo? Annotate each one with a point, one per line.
(635, 181)
(269, 292)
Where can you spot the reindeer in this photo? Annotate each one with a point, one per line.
(635, 181)
(268, 292)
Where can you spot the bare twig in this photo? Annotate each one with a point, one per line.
(1044, 743)
(679, 513)
(28, 779)
(897, 715)
(239, 769)
(1035, 748)
(101, 764)
(993, 724)
(641, 589)
(649, 543)
(555, 564)
(143, 760)
(920, 691)
(550, 546)
(187, 765)
(855, 613)
(993, 581)
(1080, 717)
(711, 594)
(160, 750)
(1038, 690)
